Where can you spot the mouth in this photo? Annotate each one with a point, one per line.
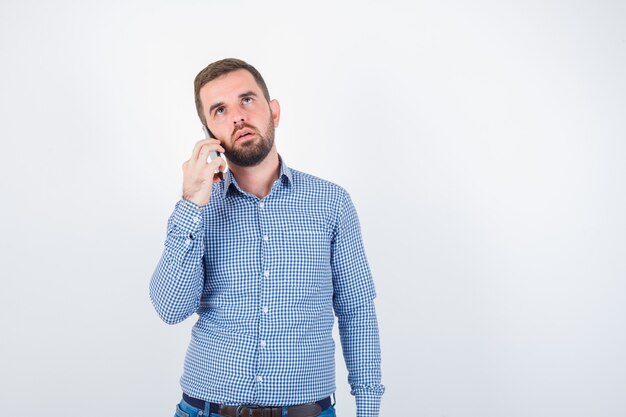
(244, 134)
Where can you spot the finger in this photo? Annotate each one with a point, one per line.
(188, 166)
(200, 144)
(217, 164)
(207, 174)
(204, 153)
(223, 164)
(218, 176)
(206, 149)
(196, 150)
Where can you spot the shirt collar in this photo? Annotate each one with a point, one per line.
(285, 177)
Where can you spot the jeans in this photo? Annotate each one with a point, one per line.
(183, 409)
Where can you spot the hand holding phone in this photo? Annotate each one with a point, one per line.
(200, 172)
(214, 154)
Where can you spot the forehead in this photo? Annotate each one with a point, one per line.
(229, 86)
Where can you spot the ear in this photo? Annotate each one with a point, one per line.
(275, 108)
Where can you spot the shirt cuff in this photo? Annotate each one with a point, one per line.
(368, 400)
(187, 217)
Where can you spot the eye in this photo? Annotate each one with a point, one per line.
(219, 111)
(247, 100)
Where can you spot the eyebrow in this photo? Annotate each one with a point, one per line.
(242, 95)
(247, 94)
(215, 106)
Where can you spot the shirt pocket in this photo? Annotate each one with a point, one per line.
(232, 258)
(306, 257)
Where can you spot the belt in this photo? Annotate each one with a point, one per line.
(250, 410)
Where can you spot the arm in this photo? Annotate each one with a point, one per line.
(178, 280)
(353, 302)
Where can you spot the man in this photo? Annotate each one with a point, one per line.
(264, 257)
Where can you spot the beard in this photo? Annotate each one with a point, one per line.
(251, 152)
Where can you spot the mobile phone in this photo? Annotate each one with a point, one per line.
(212, 155)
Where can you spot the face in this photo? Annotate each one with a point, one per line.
(239, 116)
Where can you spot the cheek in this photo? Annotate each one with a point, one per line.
(221, 131)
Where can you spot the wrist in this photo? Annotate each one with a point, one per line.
(198, 202)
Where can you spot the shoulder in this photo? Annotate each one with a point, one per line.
(321, 198)
(325, 196)
(310, 184)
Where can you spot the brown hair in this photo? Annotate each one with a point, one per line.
(223, 67)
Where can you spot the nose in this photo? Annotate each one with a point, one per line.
(238, 115)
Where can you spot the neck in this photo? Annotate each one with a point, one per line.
(258, 180)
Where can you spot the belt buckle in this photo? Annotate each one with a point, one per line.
(250, 407)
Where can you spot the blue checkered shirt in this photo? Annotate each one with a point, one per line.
(266, 277)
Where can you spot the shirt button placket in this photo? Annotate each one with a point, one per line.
(265, 273)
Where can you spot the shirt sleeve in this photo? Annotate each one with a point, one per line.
(177, 282)
(353, 301)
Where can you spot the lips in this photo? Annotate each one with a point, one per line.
(244, 134)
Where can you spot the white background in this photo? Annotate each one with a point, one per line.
(483, 144)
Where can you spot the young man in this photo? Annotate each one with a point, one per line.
(265, 258)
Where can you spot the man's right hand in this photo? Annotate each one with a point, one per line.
(199, 173)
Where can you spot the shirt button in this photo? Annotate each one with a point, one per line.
(266, 274)
(266, 238)
(259, 378)
(265, 310)
(196, 219)
(261, 204)
(263, 343)
(187, 242)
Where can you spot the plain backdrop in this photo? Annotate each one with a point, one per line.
(483, 144)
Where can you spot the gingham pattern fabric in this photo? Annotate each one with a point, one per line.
(265, 277)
